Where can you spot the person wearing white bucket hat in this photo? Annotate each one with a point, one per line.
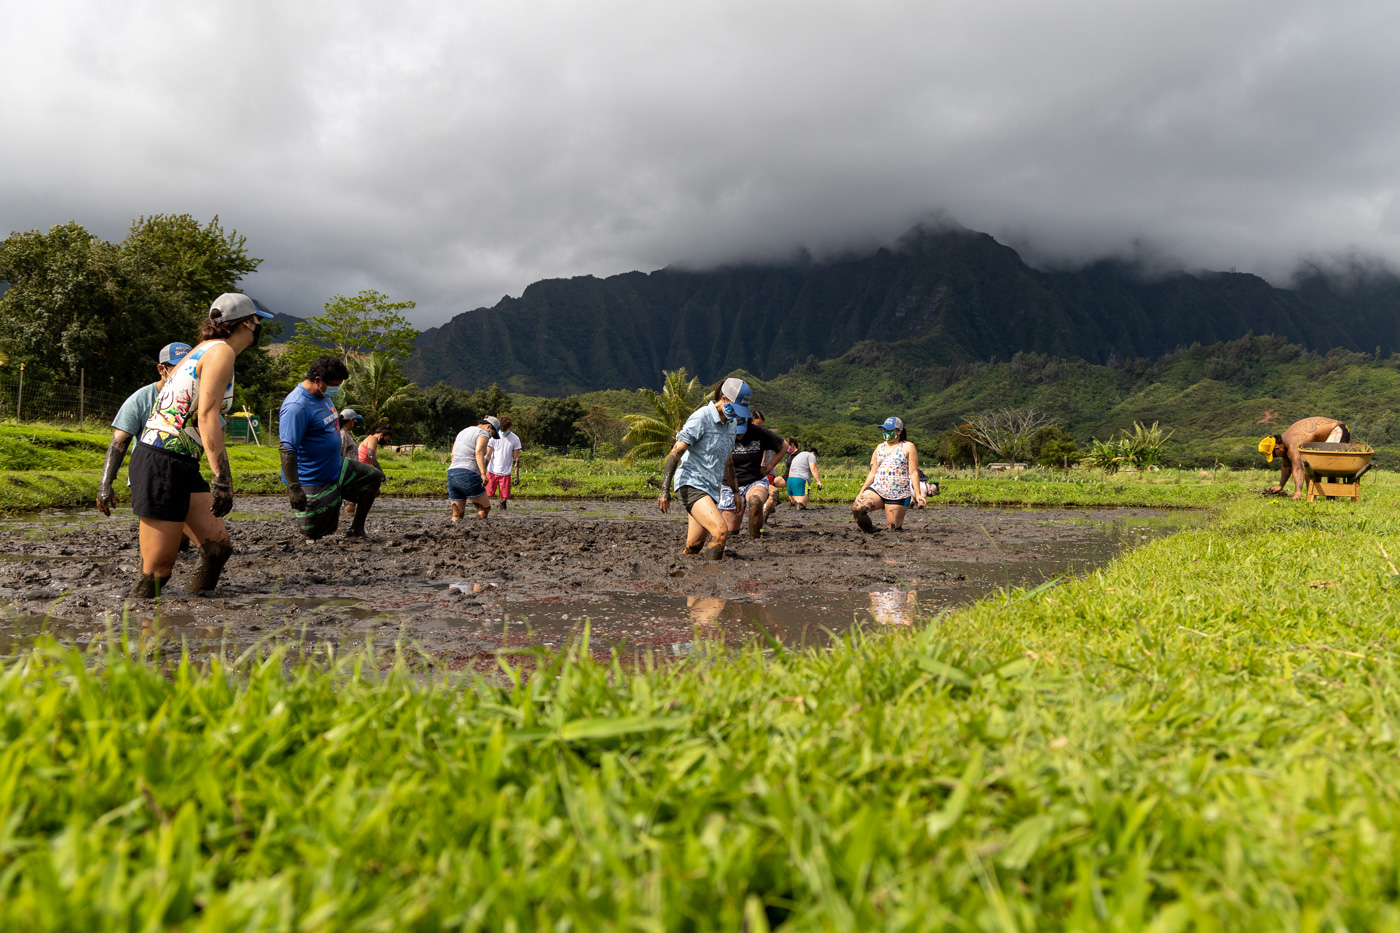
(701, 464)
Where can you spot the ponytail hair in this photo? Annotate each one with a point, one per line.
(210, 329)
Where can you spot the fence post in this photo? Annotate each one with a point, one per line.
(19, 399)
(82, 384)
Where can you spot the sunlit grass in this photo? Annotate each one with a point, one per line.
(1203, 735)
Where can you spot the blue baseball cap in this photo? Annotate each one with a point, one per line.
(892, 424)
(738, 392)
(172, 353)
(741, 426)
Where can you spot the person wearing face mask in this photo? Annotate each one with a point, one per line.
(317, 475)
(700, 464)
(131, 419)
(892, 484)
(168, 493)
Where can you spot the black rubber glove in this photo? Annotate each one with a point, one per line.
(289, 473)
(223, 498)
(116, 454)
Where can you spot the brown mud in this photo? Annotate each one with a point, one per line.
(531, 575)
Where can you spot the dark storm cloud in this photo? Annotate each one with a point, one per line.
(452, 153)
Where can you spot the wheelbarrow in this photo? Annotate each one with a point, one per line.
(1335, 470)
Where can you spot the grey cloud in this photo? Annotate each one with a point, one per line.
(453, 153)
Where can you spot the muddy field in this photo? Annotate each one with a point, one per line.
(530, 575)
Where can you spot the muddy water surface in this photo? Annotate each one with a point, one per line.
(532, 575)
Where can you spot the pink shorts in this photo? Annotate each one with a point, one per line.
(495, 481)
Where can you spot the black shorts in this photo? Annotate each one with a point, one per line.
(689, 496)
(162, 483)
(322, 516)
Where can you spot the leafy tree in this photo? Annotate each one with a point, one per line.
(378, 390)
(653, 436)
(191, 262)
(552, 423)
(1142, 446)
(1054, 447)
(443, 411)
(1007, 432)
(491, 401)
(77, 302)
(352, 327)
(600, 427)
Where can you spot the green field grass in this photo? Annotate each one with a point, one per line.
(44, 467)
(1202, 736)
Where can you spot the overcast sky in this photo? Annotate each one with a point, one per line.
(455, 152)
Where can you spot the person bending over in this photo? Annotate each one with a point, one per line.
(802, 473)
(465, 483)
(318, 477)
(368, 451)
(1285, 447)
(700, 463)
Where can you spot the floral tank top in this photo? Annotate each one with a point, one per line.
(171, 425)
(892, 472)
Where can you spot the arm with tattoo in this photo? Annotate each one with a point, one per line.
(116, 455)
(673, 459)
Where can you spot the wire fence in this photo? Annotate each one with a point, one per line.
(41, 400)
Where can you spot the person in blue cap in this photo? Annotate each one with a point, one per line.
(168, 493)
(891, 485)
(131, 418)
(700, 464)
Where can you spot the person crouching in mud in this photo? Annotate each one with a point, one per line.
(318, 476)
(168, 493)
(700, 464)
(892, 483)
(1285, 447)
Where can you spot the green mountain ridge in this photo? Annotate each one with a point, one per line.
(960, 295)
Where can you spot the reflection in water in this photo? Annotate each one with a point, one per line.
(894, 607)
(705, 610)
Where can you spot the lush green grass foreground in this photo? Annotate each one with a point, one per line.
(1202, 736)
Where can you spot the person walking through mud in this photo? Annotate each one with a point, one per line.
(503, 462)
(802, 473)
(317, 473)
(131, 419)
(168, 493)
(756, 451)
(700, 463)
(349, 447)
(470, 452)
(368, 451)
(1285, 447)
(890, 485)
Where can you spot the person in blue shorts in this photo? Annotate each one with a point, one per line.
(467, 470)
(317, 475)
(131, 419)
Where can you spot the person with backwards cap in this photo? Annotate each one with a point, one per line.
(131, 419)
(892, 483)
(1286, 446)
(466, 472)
(168, 493)
(701, 462)
(318, 476)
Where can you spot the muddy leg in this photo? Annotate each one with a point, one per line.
(213, 554)
(459, 509)
(147, 586)
(709, 520)
(861, 508)
(357, 527)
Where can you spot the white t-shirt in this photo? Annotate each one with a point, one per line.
(502, 456)
(464, 449)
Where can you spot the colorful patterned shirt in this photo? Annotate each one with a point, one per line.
(171, 425)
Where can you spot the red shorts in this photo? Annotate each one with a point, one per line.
(495, 481)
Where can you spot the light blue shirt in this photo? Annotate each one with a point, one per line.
(711, 441)
(135, 411)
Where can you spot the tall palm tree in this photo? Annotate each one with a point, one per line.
(652, 437)
(378, 390)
